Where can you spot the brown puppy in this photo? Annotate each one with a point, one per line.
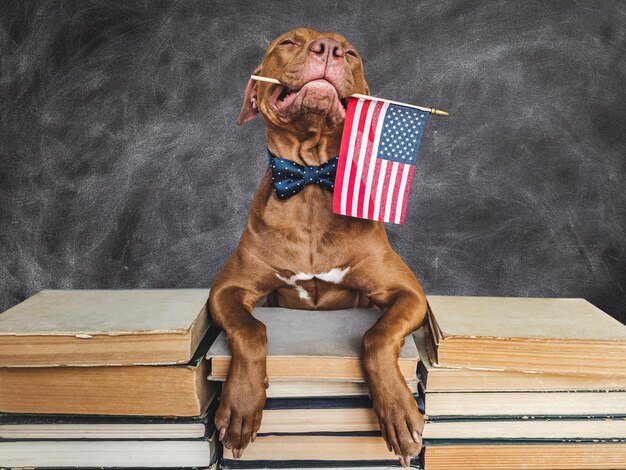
(298, 254)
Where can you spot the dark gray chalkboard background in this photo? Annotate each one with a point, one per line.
(121, 164)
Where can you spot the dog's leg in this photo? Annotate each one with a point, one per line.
(239, 286)
(391, 285)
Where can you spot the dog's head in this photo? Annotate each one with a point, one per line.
(318, 70)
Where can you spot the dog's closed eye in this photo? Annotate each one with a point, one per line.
(287, 42)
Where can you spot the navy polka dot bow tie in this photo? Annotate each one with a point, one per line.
(289, 177)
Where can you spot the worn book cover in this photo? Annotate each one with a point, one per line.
(314, 344)
(104, 327)
(565, 336)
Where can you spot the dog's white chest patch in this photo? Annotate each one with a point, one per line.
(334, 276)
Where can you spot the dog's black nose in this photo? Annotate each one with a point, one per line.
(324, 47)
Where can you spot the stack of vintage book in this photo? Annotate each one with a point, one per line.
(522, 383)
(317, 414)
(107, 379)
(117, 379)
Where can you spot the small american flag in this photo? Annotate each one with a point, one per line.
(379, 147)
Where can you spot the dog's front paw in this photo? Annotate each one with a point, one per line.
(401, 423)
(240, 411)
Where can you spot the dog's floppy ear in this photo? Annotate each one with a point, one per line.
(249, 108)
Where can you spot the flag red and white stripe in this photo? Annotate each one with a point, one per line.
(368, 184)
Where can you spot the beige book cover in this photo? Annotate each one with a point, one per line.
(563, 336)
(314, 344)
(104, 327)
(528, 318)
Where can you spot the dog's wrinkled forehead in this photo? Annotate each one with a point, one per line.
(300, 38)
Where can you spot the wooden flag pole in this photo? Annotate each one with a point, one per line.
(435, 111)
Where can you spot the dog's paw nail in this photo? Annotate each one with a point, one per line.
(416, 437)
(222, 433)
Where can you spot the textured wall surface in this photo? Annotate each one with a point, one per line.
(121, 164)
